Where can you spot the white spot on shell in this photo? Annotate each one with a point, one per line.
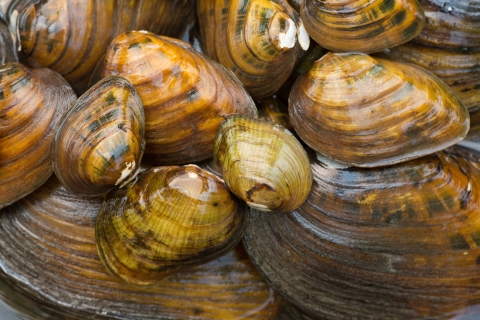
(469, 187)
(288, 39)
(303, 37)
(130, 166)
(465, 253)
(331, 163)
(450, 9)
(192, 175)
(288, 132)
(259, 207)
(144, 31)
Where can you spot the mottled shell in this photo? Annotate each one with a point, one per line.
(459, 70)
(100, 141)
(272, 109)
(362, 25)
(50, 261)
(31, 104)
(71, 36)
(166, 220)
(185, 95)
(397, 242)
(262, 163)
(259, 40)
(370, 112)
(8, 52)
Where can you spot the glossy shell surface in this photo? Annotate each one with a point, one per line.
(166, 220)
(262, 163)
(100, 141)
(369, 112)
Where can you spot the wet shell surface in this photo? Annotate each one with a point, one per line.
(100, 141)
(7, 50)
(185, 95)
(368, 112)
(272, 109)
(168, 219)
(262, 163)
(50, 261)
(71, 36)
(362, 25)
(31, 104)
(259, 40)
(396, 242)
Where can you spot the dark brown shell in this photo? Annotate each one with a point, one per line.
(397, 242)
(50, 262)
(31, 105)
(72, 44)
(184, 94)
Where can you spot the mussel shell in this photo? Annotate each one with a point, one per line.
(367, 112)
(396, 242)
(31, 105)
(185, 95)
(166, 220)
(78, 32)
(262, 163)
(272, 109)
(50, 260)
(259, 40)
(7, 49)
(362, 25)
(100, 141)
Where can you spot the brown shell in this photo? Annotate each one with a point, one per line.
(31, 105)
(50, 261)
(8, 52)
(259, 40)
(166, 220)
(368, 112)
(185, 95)
(72, 44)
(362, 25)
(100, 141)
(272, 109)
(397, 242)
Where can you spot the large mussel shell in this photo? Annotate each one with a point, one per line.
(49, 257)
(262, 163)
(362, 25)
(184, 94)
(31, 105)
(100, 141)
(259, 40)
(396, 242)
(166, 220)
(370, 112)
(72, 44)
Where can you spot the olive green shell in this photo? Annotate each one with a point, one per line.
(185, 95)
(100, 141)
(396, 242)
(167, 220)
(50, 269)
(262, 163)
(362, 25)
(367, 112)
(259, 40)
(32, 101)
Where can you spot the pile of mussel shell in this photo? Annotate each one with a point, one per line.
(259, 159)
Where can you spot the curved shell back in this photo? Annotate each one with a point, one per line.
(369, 112)
(49, 255)
(262, 163)
(7, 50)
(259, 40)
(72, 44)
(185, 96)
(403, 239)
(100, 141)
(167, 220)
(362, 25)
(31, 104)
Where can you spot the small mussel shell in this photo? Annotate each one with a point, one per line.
(100, 141)
(7, 49)
(272, 109)
(370, 112)
(50, 261)
(168, 219)
(260, 41)
(262, 163)
(362, 25)
(184, 94)
(396, 242)
(31, 105)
